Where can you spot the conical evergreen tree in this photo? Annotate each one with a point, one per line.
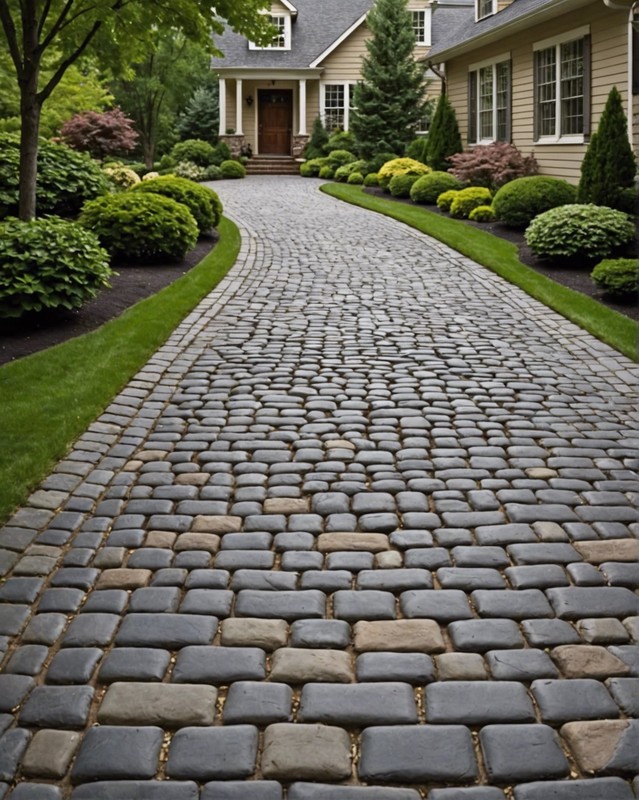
(389, 101)
(200, 119)
(609, 165)
(444, 138)
(319, 137)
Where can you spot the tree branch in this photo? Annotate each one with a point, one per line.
(12, 38)
(71, 59)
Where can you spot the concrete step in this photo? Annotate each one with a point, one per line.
(272, 165)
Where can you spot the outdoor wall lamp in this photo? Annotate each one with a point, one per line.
(249, 100)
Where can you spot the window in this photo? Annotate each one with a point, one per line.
(561, 77)
(484, 8)
(489, 101)
(336, 101)
(282, 38)
(421, 26)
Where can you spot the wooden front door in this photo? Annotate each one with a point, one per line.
(275, 121)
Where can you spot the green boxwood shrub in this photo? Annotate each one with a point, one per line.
(467, 199)
(517, 203)
(340, 140)
(579, 231)
(482, 214)
(339, 158)
(188, 170)
(197, 151)
(66, 178)
(355, 179)
(49, 263)
(201, 201)
(371, 179)
(428, 188)
(232, 169)
(400, 166)
(213, 173)
(378, 161)
(617, 276)
(400, 185)
(342, 173)
(312, 167)
(445, 199)
(136, 225)
(327, 173)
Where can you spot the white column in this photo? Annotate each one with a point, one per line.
(302, 107)
(222, 105)
(238, 108)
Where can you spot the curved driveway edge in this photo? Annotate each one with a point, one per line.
(365, 528)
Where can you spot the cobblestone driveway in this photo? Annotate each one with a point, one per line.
(369, 519)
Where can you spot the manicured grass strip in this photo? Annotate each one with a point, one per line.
(501, 257)
(48, 399)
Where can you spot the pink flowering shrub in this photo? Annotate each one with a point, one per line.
(101, 134)
(492, 165)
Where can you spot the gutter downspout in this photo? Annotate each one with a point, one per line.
(631, 15)
(441, 75)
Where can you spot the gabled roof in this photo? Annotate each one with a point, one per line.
(466, 34)
(319, 24)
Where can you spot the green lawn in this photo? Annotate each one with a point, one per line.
(501, 257)
(48, 399)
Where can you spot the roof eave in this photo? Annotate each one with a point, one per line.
(339, 41)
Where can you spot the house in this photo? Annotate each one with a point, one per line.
(270, 96)
(537, 73)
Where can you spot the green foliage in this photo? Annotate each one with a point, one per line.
(65, 178)
(49, 263)
(378, 161)
(196, 151)
(201, 201)
(400, 185)
(579, 231)
(319, 138)
(400, 166)
(617, 276)
(609, 165)
(389, 101)
(467, 199)
(232, 169)
(418, 149)
(311, 168)
(371, 179)
(445, 199)
(482, 214)
(340, 140)
(120, 176)
(189, 170)
(143, 227)
(428, 188)
(328, 173)
(355, 179)
(444, 139)
(517, 203)
(342, 174)
(338, 158)
(200, 118)
(212, 173)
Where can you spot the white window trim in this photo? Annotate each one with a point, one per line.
(488, 62)
(545, 44)
(287, 34)
(348, 94)
(427, 12)
(490, 13)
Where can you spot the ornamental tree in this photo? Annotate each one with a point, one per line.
(103, 134)
(389, 101)
(120, 30)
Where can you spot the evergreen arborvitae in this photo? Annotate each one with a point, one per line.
(609, 165)
(319, 137)
(200, 119)
(389, 101)
(444, 138)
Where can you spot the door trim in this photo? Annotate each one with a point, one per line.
(261, 94)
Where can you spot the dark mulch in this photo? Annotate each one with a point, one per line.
(574, 277)
(34, 332)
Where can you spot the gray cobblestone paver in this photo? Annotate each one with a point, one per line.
(366, 526)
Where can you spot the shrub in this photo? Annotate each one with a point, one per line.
(521, 200)
(120, 176)
(418, 149)
(221, 152)
(444, 139)
(482, 214)
(341, 140)
(166, 162)
(371, 179)
(356, 179)
(311, 169)
(378, 161)
(232, 169)
(100, 133)
(212, 173)
(319, 138)
(327, 173)
(49, 263)
(467, 199)
(492, 165)
(428, 188)
(342, 173)
(144, 226)
(400, 166)
(66, 178)
(150, 175)
(579, 231)
(400, 185)
(197, 151)
(445, 199)
(189, 170)
(202, 202)
(617, 276)
(338, 158)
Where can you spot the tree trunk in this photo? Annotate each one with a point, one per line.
(148, 149)
(30, 114)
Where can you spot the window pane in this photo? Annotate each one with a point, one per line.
(419, 26)
(279, 40)
(547, 91)
(484, 8)
(334, 106)
(486, 103)
(503, 89)
(572, 87)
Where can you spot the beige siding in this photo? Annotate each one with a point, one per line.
(345, 62)
(278, 8)
(608, 31)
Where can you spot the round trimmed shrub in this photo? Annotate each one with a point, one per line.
(371, 179)
(617, 276)
(150, 175)
(120, 176)
(49, 263)
(517, 203)
(201, 201)
(428, 188)
(140, 225)
(327, 173)
(579, 231)
(400, 166)
(467, 199)
(356, 179)
(343, 173)
(445, 199)
(312, 167)
(66, 178)
(188, 170)
(197, 151)
(213, 173)
(232, 169)
(400, 185)
(482, 214)
(339, 158)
